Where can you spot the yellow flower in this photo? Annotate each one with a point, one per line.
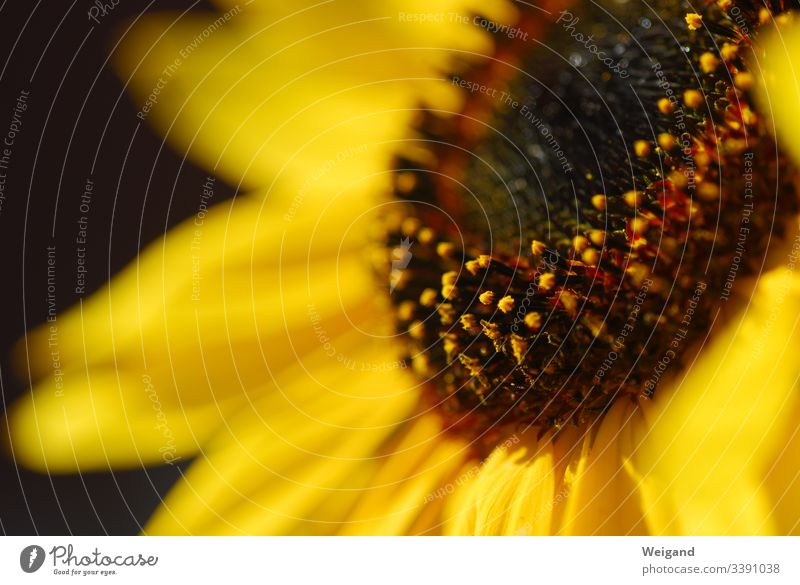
(319, 398)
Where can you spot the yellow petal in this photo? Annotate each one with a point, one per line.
(114, 420)
(778, 66)
(520, 489)
(603, 499)
(283, 457)
(273, 89)
(714, 434)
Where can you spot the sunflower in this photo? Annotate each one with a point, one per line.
(493, 269)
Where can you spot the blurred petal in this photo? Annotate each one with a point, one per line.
(302, 449)
(714, 434)
(779, 90)
(274, 89)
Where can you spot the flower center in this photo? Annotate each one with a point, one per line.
(588, 213)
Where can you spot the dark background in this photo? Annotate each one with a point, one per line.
(53, 50)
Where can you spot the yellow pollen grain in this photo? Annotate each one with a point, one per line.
(724, 4)
(450, 345)
(591, 257)
(506, 304)
(633, 198)
(533, 321)
(486, 298)
(519, 347)
(491, 330)
(743, 80)
(473, 267)
(570, 302)
(447, 314)
(428, 297)
(421, 364)
(639, 225)
(702, 159)
(406, 182)
(470, 323)
(708, 191)
(694, 20)
(405, 310)
(597, 237)
(580, 243)
(426, 235)
(749, 116)
(538, 247)
(679, 179)
(449, 278)
(599, 202)
(547, 281)
(642, 148)
(445, 250)
(667, 141)
(665, 106)
(484, 261)
(692, 98)
(449, 292)
(417, 330)
(410, 226)
(729, 51)
(708, 62)
(764, 16)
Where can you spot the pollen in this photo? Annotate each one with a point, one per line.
(665, 106)
(692, 98)
(538, 248)
(547, 281)
(667, 141)
(642, 148)
(506, 304)
(486, 298)
(599, 202)
(533, 321)
(694, 21)
(445, 250)
(709, 62)
(744, 80)
(428, 297)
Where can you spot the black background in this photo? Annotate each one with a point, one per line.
(77, 111)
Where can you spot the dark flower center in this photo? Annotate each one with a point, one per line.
(588, 213)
